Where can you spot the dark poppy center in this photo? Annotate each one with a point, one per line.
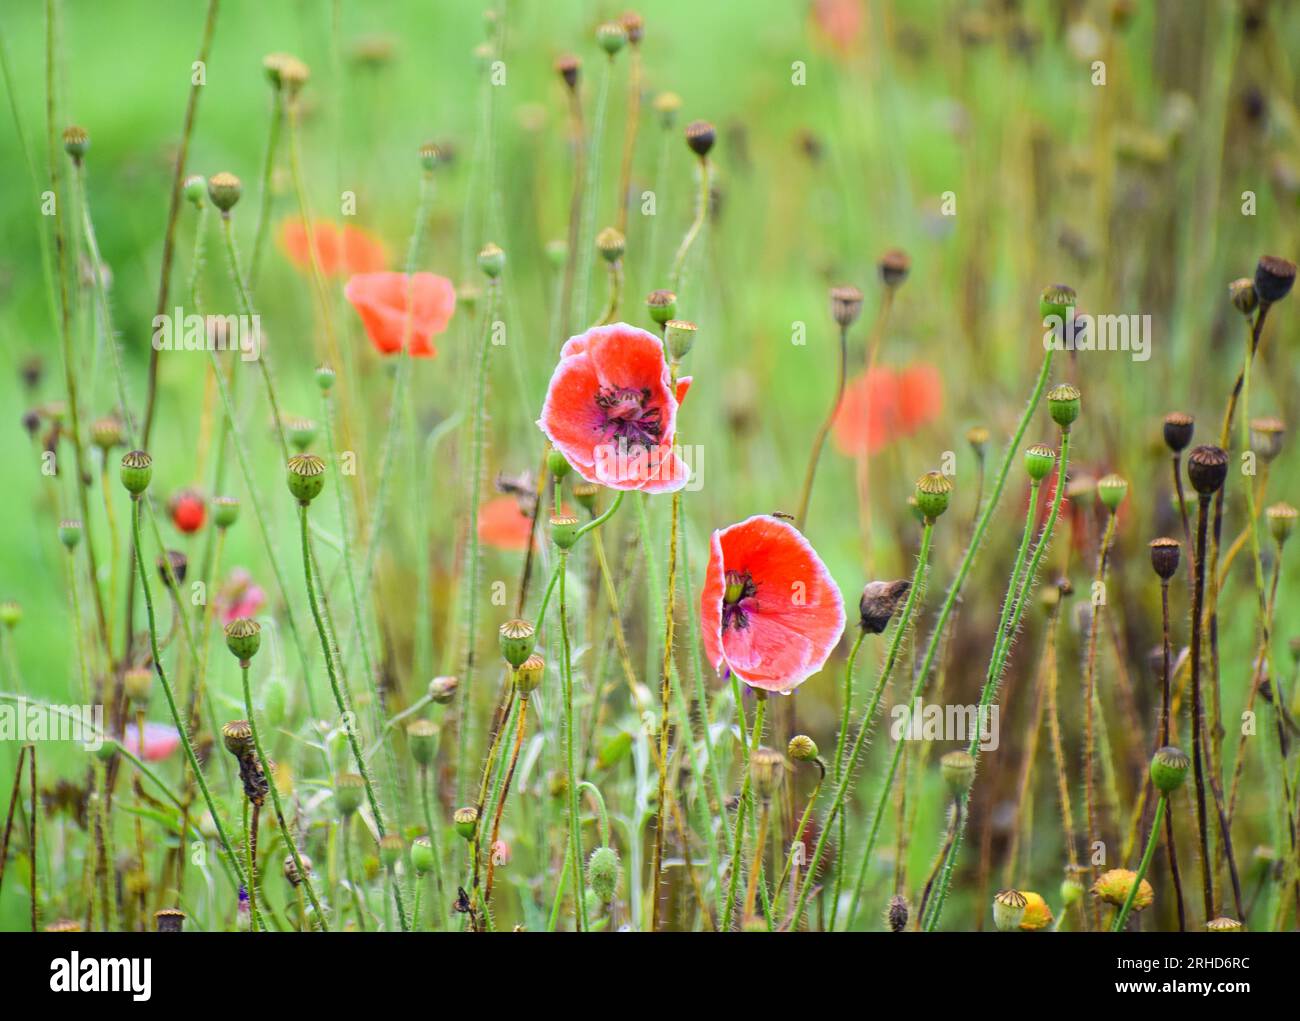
(739, 591)
(628, 419)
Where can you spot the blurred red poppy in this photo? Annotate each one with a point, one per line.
(503, 525)
(341, 251)
(381, 301)
(770, 611)
(188, 511)
(886, 404)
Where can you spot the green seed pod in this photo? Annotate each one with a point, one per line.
(662, 306)
(528, 675)
(1063, 404)
(564, 530)
(585, 493)
(466, 821)
(556, 464)
(429, 156)
(1281, 521)
(612, 37)
(933, 492)
(195, 190)
(70, 533)
(1169, 768)
(422, 738)
(958, 770)
(491, 260)
(106, 750)
(422, 857)
(76, 143)
(802, 748)
(325, 377)
(1057, 300)
(766, 768)
(224, 190)
(1039, 461)
(137, 683)
(301, 433)
(11, 614)
(1111, 489)
(349, 792)
(306, 476)
(137, 471)
(1008, 910)
(443, 689)
(391, 847)
(679, 338)
(225, 511)
(517, 639)
(611, 244)
(603, 873)
(243, 638)
(1071, 891)
(557, 253)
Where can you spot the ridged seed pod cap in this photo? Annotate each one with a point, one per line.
(666, 105)
(634, 25)
(679, 338)
(978, 438)
(1266, 436)
(1274, 278)
(1224, 924)
(70, 532)
(237, 735)
(1207, 468)
(224, 190)
(306, 477)
(517, 639)
(491, 260)
(846, 305)
(1281, 521)
(1111, 489)
(611, 244)
(1057, 300)
(612, 37)
(1009, 910)
(1242, 294)
(933, 492)
(137, 470)
(958, 770)
(325, 377)
(585, 493)
(466, 821)
(349, 792)
(894, 266)
(225, 511)
(765, 770)
(243, 638)
(564, 530)
(529, 674)
(169, 920)
(1039, 461)
(391, 847)
(106, 432)
(1063, 404)
(422, 856)
(1165, 554)
(429, 154)
(1169, 768)
(700, 136)
(76, 143)
(422, 739)
(1178, 429)
(802, 748)
(662, 305)
(301, 432)
(137, 683)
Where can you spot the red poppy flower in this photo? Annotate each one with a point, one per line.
(611, 410)
(381, 301)
(839, 22)
(770, 611)
(339, 250)
(884, 404)
(188, 511)
(503, 525)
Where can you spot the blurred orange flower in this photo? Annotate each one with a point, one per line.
(381, 301)
(341, 251)
(885, 404)
(503, 525)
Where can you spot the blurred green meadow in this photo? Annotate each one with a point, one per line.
(971, 135)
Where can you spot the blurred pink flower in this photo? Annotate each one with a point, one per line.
(240, 596)
(160, 741)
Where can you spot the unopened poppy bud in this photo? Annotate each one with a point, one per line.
(1224, 924)
(466, 821)
(429, 156)
(568, 67)
(802, 748)
(679, 338)
(169, 920)
(137, 470)
(195, 190)
(846, 305)
(1207, 468)
(137, 683)
(611, 244)
(1113, 887)
(443, 689)
(1266, 435)
(765, 765)
(391, 847)
(70, 533)
(897, 913)
(564, 530)
(1178, 428)
(612, 37)
(325, 377)
(894, 267)
(1063, 404)
(1038, 915)
(1111, 489)
(933, 492)
(291, 871)
(700, 136)
(237, 736)
(422, 739)
(243, 638)
(1165, 554)
(301, 433)
(1242, 293)
(585, 493)
(958, 771)
(666, 105)
(1281, 521)
(1274, 278)
(528, 675)
(1169, 768)
(224, 190)
(76, 143)
(306, 477)
(422, 856)
(517, 638)
(556, 463)
(662, 306)
(1009, 910)
(491, 260)
(880, 601)
(1057, 301)
(349, 791)
(603, 873)
(225, 511)
(1039, 461)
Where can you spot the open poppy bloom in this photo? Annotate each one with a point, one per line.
(381, 301)
(160, 741)
(340, 251)
(886, 403)
(770, 611)
(611, 410)
(503, 525)
(240, 596)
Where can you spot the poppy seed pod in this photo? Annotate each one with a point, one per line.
(679, 338)
(137, 683)
(1207, 468)
(1111, 489)
(612, 37)
(137, 470)
(567, 67)
(556, 464)
(585, 493)
(611, 244)
(557, 253)
(666, 105)
(802, 748)
(1064, 404)
(243, 638)
(1178, 430)
(1165, 554)
(880, 601)
(517, 638)
(634, 26)
(1224, 924)
(224, 190)
(422, 856)
(443, 689)
(491, 260)
(172, 567)
(958, 770)
(700, 136)
(466, 821)
(1039, 460)
(76, 143)
(603, 873)
(325, 377)
(169, 920)
(662, 306)
(70, 533)
(1281, 521)
(897, 913)
(428, 153)
(1009, 910)
(765, 767)
(349, 790)
(301, 432)
(564, 530)
(422, 739)
(933, 492)
(306, 476)
(894, 266)
(225, 511)
(237, 736)
(528, 675)
(1266, 435)
(1057, 301)
(195, 190)
(391, 847)
(106, 432)
(846, 305)
(1274, 278)
(1169, 768)
(978, 438)
(1243, 297)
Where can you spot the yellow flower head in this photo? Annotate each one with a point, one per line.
(1037, 914)
(1113, 888)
